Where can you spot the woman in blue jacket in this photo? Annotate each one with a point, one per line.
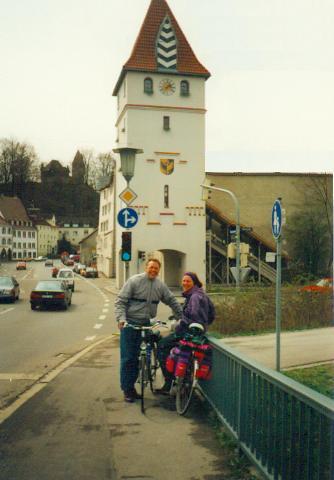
(197, 308)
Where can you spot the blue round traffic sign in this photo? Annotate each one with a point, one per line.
(276, 219)
(127, 217)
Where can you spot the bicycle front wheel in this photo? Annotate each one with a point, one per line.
(142, 378)
(153, 370)
(184, 389)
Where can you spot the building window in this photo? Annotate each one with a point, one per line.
(24, 234)
(3, 241)
(166, 196)
(148, 85)
(184, 88)
(19, 234)
(3, 229)
(166, 123)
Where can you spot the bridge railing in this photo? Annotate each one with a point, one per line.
(285, 428)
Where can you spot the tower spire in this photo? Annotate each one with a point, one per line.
(161, 45)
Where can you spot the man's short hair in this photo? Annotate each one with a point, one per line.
(154, 260)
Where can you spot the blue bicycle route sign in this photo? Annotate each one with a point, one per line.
(127, 217)
(276, 219)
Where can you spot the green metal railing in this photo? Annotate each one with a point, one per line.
(286, 429)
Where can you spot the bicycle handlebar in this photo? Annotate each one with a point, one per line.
(155, 323)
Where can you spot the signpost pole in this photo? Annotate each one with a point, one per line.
(276, 226)
(278, 301)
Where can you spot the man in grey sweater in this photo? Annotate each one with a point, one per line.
(137, 303)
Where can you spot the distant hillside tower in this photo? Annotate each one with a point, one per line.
(161, 109)
(78, 168)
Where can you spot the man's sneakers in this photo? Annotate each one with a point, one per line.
(131, 395)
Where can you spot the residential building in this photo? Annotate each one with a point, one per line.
(6, 238)
(47, 238)
(24, 234)
(73, 231)
(105, 241)
(88, 248)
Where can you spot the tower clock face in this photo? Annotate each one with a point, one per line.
(167, 87)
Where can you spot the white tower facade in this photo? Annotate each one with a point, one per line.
(161, 110)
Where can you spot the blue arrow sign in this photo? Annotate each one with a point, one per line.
(127, 217)
(276, 219)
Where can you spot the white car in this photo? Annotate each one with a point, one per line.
(67, 275)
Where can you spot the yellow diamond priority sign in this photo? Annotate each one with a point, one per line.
(128, 196)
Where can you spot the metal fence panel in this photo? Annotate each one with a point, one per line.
(284, 427)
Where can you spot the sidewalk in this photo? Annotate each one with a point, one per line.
(78, 427)
(298, 348)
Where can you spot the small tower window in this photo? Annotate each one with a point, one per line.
(184, 88)
(148, 85)
(166, 196)
(166, 123)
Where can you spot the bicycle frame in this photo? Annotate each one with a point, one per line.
(145, 365)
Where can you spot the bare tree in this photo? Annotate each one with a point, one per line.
(18, 163)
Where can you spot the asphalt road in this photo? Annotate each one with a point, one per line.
(33, 342)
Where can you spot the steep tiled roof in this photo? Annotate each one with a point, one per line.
(143, 57)
(13, 209)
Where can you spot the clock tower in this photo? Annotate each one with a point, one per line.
(161, 110)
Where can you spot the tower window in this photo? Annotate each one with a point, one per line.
(166, 123)
(184, 88)
(148, 85)
(166, 196)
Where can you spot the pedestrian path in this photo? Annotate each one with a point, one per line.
(302, 347)
(78, 427)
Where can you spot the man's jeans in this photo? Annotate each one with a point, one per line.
(130, 346)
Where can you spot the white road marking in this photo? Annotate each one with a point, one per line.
(20, 376)
(6, 311)
(90, 339)
(102, 317)
(105, 310)
(98, 325)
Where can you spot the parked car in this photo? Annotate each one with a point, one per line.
(67, 275)
(48, 263)
(9, 289)
(40, 259)
(21, 266)
(78, 266)
(90, 272)
(51, 293)
(323, 285)
(55, 271)
(69, 263)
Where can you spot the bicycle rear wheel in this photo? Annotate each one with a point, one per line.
(184, 389)
(142, 379)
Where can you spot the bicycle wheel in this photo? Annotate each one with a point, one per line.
(153, 370)
(184, 389)
(142, 379)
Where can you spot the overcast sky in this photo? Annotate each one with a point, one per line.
(270, 99)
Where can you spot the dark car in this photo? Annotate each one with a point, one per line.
(51, 293)
(9, 289)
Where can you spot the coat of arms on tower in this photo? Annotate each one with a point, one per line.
(166, 166)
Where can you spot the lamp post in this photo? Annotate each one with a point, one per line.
(237, 214)
(128, 156)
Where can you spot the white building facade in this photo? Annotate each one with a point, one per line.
(161, 110)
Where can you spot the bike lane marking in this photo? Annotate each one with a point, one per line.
(6, 311)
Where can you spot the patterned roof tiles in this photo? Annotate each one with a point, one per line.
(144, 57)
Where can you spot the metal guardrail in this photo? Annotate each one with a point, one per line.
(286, 429)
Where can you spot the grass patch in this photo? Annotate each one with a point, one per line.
(253, 311)
(319, 378)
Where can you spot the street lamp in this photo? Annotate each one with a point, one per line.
(128, 156)
(237, 214)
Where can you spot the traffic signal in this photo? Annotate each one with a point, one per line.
(126, 246)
